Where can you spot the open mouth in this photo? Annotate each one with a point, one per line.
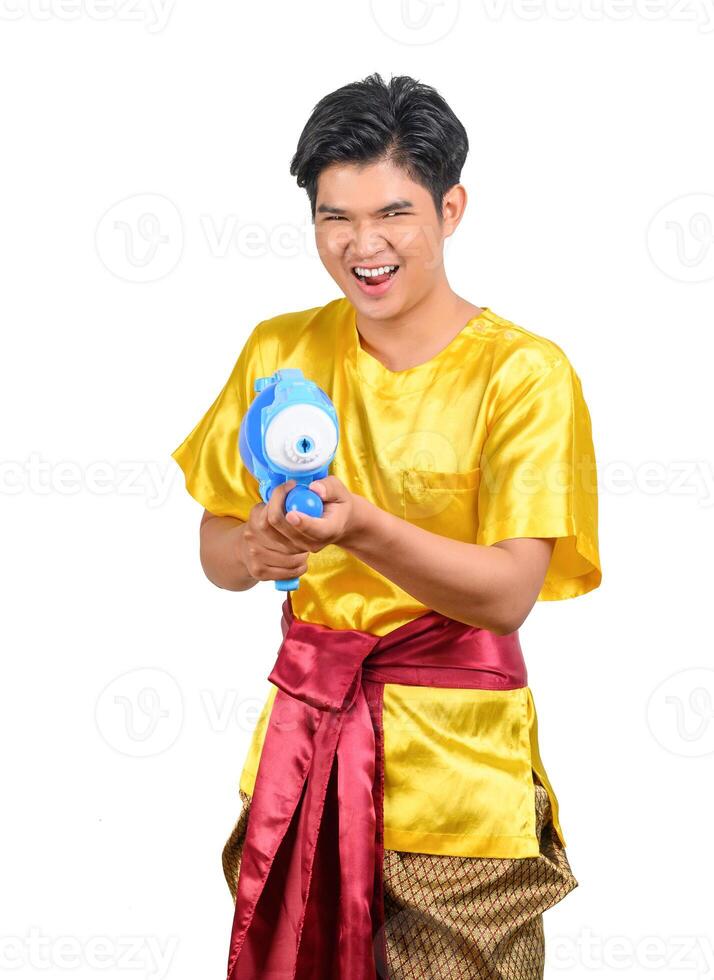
(375, 282)
(375, 276)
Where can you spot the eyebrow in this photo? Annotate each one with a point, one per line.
(392, 206)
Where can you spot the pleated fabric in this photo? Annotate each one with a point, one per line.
(449, 916)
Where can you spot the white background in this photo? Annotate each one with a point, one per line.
(585, 121)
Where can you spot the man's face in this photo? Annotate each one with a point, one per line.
(371, 216)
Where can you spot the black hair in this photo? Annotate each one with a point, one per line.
(404, 121)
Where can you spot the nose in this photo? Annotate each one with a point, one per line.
(367, 242)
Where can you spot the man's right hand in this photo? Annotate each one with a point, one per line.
(267, 553)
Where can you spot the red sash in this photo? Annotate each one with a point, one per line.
(309, 902)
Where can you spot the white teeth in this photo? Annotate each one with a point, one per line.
(366, 273)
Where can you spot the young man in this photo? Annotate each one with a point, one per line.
(397, 818)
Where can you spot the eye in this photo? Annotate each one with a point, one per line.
(334, 217)
(395, 212)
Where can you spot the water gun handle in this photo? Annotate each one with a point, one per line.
(305, 501)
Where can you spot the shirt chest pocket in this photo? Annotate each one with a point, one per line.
(443, 502)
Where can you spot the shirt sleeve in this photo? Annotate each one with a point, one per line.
(539, 479)
(214, 472)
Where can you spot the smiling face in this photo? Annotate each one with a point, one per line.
(379, 235)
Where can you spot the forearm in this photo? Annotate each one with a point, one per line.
(468, 582)
(220, 554)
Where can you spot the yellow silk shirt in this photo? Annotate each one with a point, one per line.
(489, 439)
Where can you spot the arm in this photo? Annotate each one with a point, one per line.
(492, 587)
(220, 552)
(236, 554)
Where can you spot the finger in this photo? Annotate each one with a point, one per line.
(275, 507)
(284, 553)
(280, 572)
(313, 529)
(328, 488)
(269, 536)
(271, 539)
(285, 563)
(285, 541)
(275, 516)
(319, 488)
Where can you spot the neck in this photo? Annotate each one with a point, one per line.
(418, 333)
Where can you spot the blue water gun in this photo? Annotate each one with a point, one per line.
(290, 432)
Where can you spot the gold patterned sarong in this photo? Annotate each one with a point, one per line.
(471, 917)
